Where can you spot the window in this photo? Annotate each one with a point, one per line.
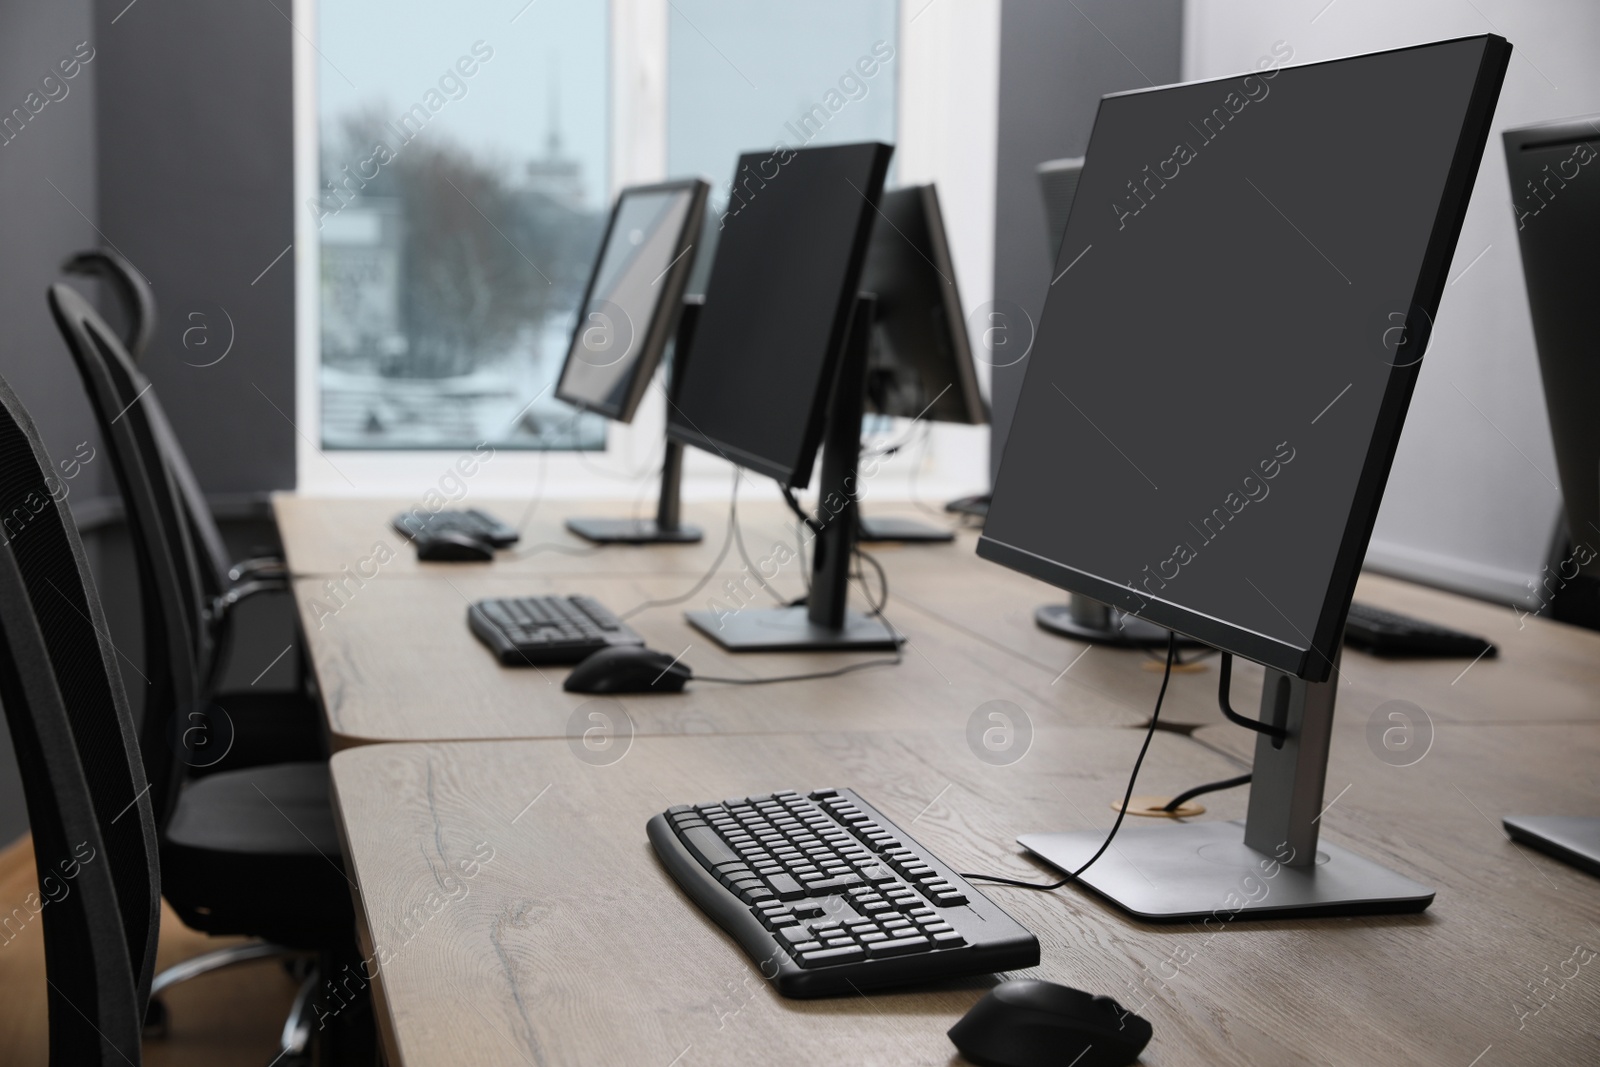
(742, 76)
(462, 185)
(454, 165)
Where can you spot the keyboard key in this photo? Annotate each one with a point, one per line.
(830, 884)
(708, 847)
(786, 887)
(822, 958)
(901, 946)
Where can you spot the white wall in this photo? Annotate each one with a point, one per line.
(1472, 502)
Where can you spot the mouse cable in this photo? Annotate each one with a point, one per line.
(1172, 651)
(711, 571)
(836, 672)
(1210, 787)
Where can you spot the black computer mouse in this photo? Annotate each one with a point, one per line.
(452, 546)
(628, 669)
(1028, 1023)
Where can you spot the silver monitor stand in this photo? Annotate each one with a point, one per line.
(1269, 866)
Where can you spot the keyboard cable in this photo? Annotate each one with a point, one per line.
(1127, 796)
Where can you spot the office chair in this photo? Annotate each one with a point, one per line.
(267, 726)
(93, 828)
(251, 850)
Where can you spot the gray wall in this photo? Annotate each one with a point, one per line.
(197, 189)
(174, 145)
(1472, 499)
(1054, 67)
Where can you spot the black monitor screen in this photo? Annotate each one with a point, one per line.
(632, 298)
(756, 382)
(921, 361)
(1240, 303)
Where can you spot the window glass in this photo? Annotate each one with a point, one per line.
(743, 76)
(463, 192)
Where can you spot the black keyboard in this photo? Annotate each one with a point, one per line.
(1386, 633)
(537, 630)
(472, 522)
(828, 897)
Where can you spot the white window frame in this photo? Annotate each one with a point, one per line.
(948, 60)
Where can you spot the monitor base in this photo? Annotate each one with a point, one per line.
(1106, 626)
(975, 506)
(791, 630)
(870, 529)
(632, 532)
(1204, 870)
(1573, 839)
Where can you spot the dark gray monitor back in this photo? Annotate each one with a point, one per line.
(1212, 405)
(1555, 196)
(755, 387)
(921, 363)
(1058, 183)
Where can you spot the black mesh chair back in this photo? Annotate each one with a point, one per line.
(168, 582)
(133, 292)
(93, 828)
(131, 288)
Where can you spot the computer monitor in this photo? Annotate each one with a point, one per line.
(779, 355)
(1221, 381)
(920, 366)
(632, 309)
(1558, 229)
(1058, 183)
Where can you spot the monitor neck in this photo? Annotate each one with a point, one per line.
(837, 512)
(1287, 781)
(669, 508)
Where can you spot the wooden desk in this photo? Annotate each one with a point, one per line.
(573, 946)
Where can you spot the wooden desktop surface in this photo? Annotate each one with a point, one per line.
(573, 946)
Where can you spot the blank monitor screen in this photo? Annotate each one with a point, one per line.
(766, 343)
(631, 303)
(921, 362)
(1222, 368)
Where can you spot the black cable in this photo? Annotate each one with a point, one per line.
(1233, 716)
(1210, 787)
(895, 662)
(752, 569)
(722, 553)
(883, 582)
(1172, 651)
(800, 512)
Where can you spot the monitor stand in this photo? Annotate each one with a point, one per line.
(1082, 619)
(824, 623)
(665, 528)
(877, 530)
(1573, 839)
(1271, 865)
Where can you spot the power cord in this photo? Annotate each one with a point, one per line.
(1276, 732)
(1172, 651)
(1200, 790)
(711, 571)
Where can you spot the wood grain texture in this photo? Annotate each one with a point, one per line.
(572, 945)
(398, 663)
